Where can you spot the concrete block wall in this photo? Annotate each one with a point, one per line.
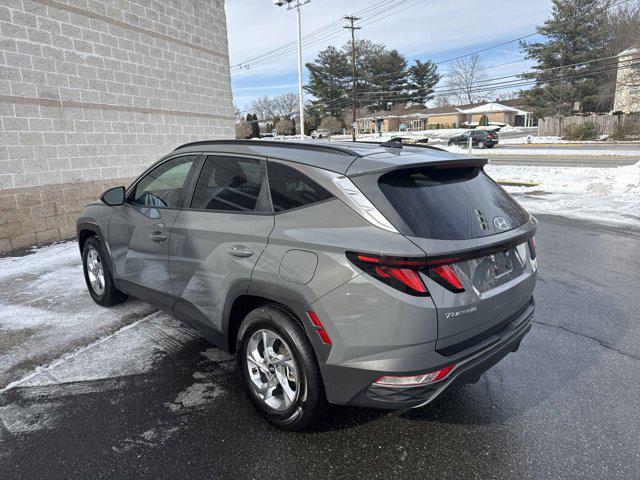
(92, 92)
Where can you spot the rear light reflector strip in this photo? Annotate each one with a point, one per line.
(415, 380)
(322, 333)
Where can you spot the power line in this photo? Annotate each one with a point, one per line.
(327, 31)
(520, 82)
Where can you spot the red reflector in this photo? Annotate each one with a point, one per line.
(324, 336)
(443, 373)
(448, 275)
(314, 319)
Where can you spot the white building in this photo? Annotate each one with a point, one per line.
(93, 92)
(627, 99)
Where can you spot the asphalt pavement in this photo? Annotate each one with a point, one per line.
(566, 405)
(599, 161)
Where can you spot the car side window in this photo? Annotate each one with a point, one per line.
(162, 186)
(292, 189)
(228, 183)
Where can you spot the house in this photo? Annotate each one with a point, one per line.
(627, 98)
(508, 112)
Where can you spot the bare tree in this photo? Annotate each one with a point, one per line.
(243, 130)
(280, 106)
(284, 127)
(262, 107)
(331, 124)
(237, 114)
(442, 100)
(466, 79)
(285, 105)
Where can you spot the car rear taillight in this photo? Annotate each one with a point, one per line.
(415, 380)
(445, 276)
(532, 247)
(404, 273)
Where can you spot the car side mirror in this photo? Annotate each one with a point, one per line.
(113, 197)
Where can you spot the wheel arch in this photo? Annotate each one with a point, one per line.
(86, 230)
(261, 294)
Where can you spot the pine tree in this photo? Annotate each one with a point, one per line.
(388, 75)
(576, 33)
(329, 80)
(423, 77)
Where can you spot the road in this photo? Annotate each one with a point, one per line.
(560, 160)
(629, 146)
(564, 406)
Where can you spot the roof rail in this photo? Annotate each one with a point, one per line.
(273, 143)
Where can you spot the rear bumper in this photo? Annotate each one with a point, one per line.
(470, 364)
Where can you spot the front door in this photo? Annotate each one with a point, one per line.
(217, 240)
(139, 232)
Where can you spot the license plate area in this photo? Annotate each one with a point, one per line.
(501, 264)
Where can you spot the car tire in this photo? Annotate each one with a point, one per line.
(489, 146)
(481, 144)
(297, 382)
(97, 274)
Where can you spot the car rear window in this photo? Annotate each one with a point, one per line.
(451, 203)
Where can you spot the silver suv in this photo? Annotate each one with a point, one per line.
(347, 273)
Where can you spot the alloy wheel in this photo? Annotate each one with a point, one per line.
(273, 371)
(95, 271)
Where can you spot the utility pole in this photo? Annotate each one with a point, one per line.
(351, 19)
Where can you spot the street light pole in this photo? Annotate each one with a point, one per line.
(291, 4)
(300, 72)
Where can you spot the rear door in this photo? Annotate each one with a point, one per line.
(479, 233)
(218, 237)
(139, 231)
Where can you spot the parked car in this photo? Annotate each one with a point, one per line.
(344, 273)
(479, 139)
(320, 133)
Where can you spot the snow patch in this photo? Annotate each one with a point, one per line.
(131, 350)
(18, 419)
(196, 395)
(609, 195)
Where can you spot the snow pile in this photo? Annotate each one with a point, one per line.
(610, 195)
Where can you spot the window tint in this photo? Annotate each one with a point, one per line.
(161, 187)
(228, 183)
(292, 189)
(451, 204)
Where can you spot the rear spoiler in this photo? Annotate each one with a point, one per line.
(443, 163)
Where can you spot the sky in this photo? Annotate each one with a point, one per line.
(419, 29)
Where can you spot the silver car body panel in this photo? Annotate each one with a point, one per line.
(296, 258)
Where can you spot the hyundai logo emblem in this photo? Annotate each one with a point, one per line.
(501, 223)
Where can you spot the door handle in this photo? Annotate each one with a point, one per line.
(158, 236)
(240, 251)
